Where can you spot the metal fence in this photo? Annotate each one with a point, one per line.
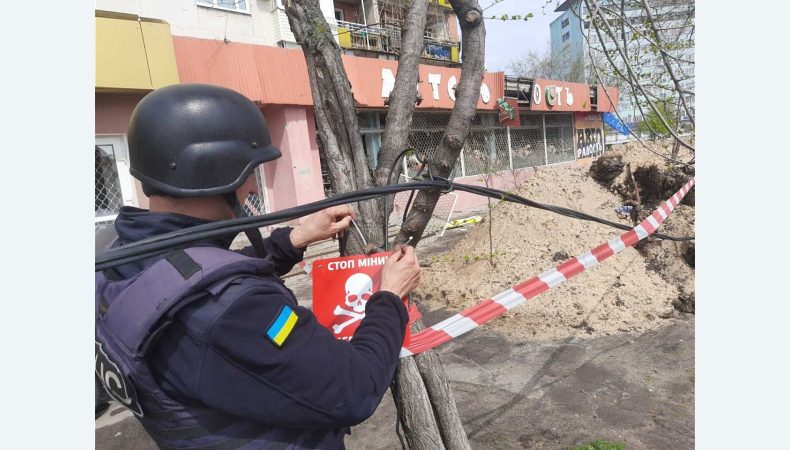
(441, 214)
(540, 139)
(109, 197)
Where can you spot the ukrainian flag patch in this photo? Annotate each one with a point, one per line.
(282, 326)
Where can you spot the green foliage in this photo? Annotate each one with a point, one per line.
(505, 17)
(653, 121)
(599, 444)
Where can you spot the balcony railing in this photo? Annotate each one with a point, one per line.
(362, 37)
(444, 3)
(388, 40)
(436, 48)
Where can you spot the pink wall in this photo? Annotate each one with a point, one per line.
(295, 178)
(505, 181)
(113, 112)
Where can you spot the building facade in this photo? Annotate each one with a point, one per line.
(133, 57)
(567, 43)
(520, 123)
(572, 39)
(373, 28)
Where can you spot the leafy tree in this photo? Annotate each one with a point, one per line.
(652, 123)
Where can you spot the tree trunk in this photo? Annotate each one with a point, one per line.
(426, 408)
(467, 92)
(339, 138)
(402, 100)
(473, 32)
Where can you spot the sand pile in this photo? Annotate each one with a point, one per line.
(663, 256)
(637, 154)
(622, 294)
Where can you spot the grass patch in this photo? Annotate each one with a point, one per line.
(599, 444)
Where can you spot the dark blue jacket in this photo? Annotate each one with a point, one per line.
(216, 353)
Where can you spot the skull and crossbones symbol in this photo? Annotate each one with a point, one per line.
(359, 288)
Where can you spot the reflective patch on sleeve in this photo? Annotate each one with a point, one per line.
(282, 326)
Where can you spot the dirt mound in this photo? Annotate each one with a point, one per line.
(656, 179)
(637, 155)
(622, 294)
(656, 184)
(606, 168)
(627, 166)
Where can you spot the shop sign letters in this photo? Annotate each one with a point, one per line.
(435, 81)
(553, 95)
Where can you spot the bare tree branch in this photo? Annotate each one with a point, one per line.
(671, 72)
(632, 73)
(467, 92)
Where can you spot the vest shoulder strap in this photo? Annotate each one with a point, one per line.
(167, 285)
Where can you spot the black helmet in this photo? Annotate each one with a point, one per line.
(196, 140)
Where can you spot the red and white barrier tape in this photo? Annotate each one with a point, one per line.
(494, 307)
(306, 266)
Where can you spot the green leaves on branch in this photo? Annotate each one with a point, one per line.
(653, 124)
(505, 17)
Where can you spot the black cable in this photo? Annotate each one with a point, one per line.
(507, 196)
(517, 199)
(159, 244)
(162, 242)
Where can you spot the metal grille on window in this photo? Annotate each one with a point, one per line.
(526, 141)
(559, 138)
(486, 152)
(108, 199)
(255, 204)
(490, 147)
(439, 218)
(426, 133)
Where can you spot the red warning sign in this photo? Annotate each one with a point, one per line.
(341, 289)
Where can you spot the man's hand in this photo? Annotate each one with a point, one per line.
(322, 225)
(401, 272)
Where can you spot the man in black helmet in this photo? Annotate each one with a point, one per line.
(206, 346)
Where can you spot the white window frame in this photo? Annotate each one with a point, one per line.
(214, 4)
(125, 180)
(263, 191)
(342, 14)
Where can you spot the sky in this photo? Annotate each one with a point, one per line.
(507, 40)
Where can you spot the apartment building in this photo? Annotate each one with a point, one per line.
(573, 40)
(373, 28)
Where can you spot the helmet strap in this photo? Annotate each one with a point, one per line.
(253, 234)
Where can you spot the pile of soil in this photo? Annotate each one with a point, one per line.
(628, 292)
(657, 179)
